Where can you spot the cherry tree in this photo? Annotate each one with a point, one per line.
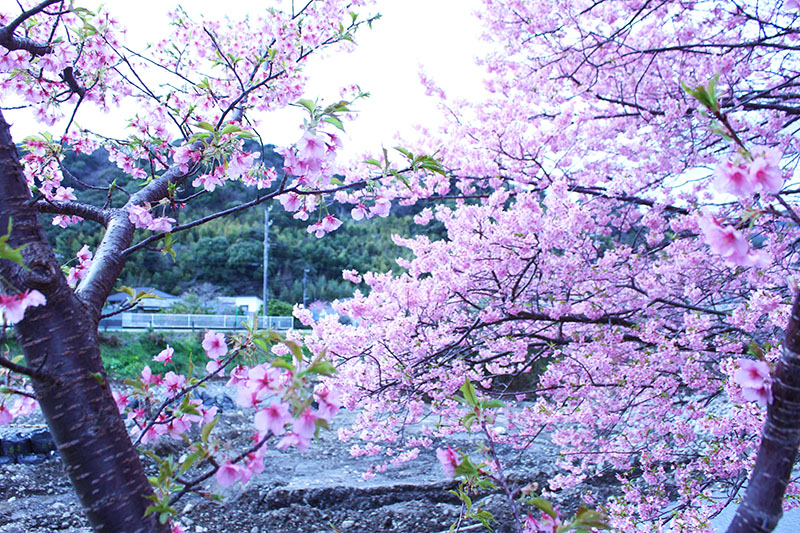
(199, 93)
(630, 242)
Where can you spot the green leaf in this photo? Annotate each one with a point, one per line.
(280, 363)
(308, 104)
(469, 393)
(491, 404)
(205, 125)
(544, 506)
(335, 121)
(295, 349)
(208, 428)
(261, 343)
(230, 128)
(323, 368)
(405, 152)
(373, 162)
(167, 248)
(7, 252)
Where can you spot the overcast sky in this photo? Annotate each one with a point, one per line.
(440, 35)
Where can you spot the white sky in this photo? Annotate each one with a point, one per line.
(440, 35)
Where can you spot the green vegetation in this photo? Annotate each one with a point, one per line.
(126, 353)
(227, 254)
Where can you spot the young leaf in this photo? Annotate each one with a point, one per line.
(469, 393)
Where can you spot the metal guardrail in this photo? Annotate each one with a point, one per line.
(171, 321)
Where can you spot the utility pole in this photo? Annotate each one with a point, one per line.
(305, 282)
(265, 287)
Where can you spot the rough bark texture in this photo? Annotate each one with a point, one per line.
(59, 340)
(761, 508)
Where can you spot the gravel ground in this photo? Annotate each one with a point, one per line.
(319, 490)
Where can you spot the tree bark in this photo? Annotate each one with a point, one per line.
(761, 508)
(60, 342)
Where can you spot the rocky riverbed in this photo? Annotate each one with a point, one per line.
(318, 490)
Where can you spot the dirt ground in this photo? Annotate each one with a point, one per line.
(319, 490)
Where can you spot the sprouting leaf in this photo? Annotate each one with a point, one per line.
(208, 428)
(469, 393)
(6, 251)
(308, 104)
(335, 121)
(544, 506)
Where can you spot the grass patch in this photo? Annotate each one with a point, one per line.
(125, 353)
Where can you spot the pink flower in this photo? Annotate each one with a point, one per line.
(84, 255)
(5, 415)
(263, 377)
(208, 181)
(13, 306)
(290, 201)
(754, 378)
(174, 383)
(64, 194)
(239, 163)
(449, 459)
(148, 378)
(329, 402)
(331, 223)
(381, 208)
(161, 224)
(316, 229)
(765, 171)
(306, 424)
(273, 418)
(358, 212)
(140, 216)
(228, 474)
(734, 178)
(725, 241)
(293, 439)
(214, 345)
(238, 376)
(121, 399)
(165, 355)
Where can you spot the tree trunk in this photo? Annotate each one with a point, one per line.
(761, 508)
(60, 344)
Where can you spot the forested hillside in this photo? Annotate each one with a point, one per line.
(225, 255)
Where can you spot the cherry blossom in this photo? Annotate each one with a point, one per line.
(214, 344)
(165, 355)
(13, 306)
(449, 460)
(754, 378)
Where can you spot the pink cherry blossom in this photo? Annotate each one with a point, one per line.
(148, 378)
(174, 383)
(449, 460)
(121, 399)
(214, 345)
(755, 380)
(381, 208)
(734, 178)
(228, 474)
(290, 201)
(5, 415)
(273, 418)
(161, 224)
(140, 216)
(765, 171)
(165, 355)
(725, 241)
(358, 212)
(305, 425)
(13, 306)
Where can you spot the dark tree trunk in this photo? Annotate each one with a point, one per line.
(60, 343)
(761, 508)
